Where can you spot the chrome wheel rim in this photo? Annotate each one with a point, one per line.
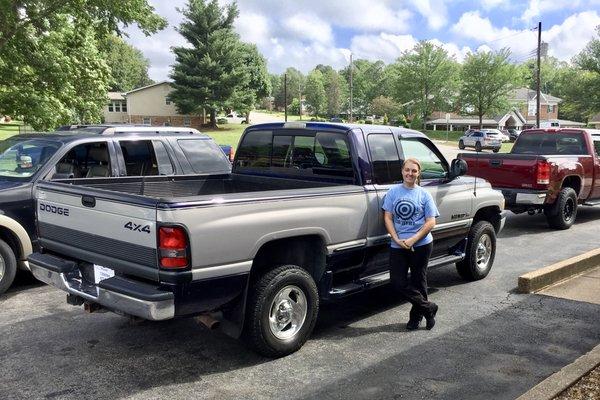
(2, 267)
(287, 312)
(568, 210)
(484, 252)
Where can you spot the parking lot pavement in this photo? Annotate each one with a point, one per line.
(489, 342)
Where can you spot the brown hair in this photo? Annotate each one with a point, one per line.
(417, 163)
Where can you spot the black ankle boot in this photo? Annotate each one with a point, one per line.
(430, 316)
(414, 320)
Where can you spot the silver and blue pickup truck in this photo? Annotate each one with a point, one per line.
(297, 221)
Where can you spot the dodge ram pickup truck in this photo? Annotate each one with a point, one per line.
(548, 170)
(90, 151)
(298, 221)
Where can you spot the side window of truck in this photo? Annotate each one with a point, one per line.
(87, 160)
(432, 164)
(145, 158)
(384, 158)
(597, 146)
(204, 155)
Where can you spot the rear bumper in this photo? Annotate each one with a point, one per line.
(116, 293)
(519, 197)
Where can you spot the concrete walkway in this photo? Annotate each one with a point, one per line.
(585, 287)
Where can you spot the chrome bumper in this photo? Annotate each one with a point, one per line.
(530, 198)
(73, 283)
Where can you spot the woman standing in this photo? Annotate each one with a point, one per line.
(409, 215)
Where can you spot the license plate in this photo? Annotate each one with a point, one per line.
(101, 273)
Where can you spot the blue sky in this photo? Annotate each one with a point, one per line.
(304, 33)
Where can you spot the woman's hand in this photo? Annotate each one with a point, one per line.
(410, 242)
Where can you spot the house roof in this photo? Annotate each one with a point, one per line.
(463, 121)
(562, 122)
(147, 87)
(526, 94)
(115, 96)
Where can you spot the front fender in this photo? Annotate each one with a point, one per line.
(24, 242)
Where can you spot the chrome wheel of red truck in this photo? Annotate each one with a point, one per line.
(562, 214)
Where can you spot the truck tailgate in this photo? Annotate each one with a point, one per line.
(511, 171)
(117, 231)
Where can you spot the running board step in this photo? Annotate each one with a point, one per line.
(592, 202)
(382, 278)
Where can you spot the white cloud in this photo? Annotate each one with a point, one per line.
(538, 7)
(254, 28)
(385, 47)
(308, 27)
(490, 4)
(569, 38)
(452, 49)
(434, 11)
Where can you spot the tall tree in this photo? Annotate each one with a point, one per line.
(367, 79)
(426, 77)
(128, 66)
(315, 91)
(51, 71)
(295, 87)
(256, 85)
(336, 91)
(589, 60)
(207, 73)
(487, 79)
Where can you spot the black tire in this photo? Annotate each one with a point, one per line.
(470, 268)
(258, 331)
(8, 266)
(461, 145)
(477, 146)
(562, 214)
(496, 150)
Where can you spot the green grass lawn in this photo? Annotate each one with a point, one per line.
(8, 130)
(226, 134)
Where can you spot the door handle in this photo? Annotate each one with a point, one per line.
(495, 163)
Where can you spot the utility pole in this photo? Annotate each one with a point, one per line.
(351, 68)
(300, 99)
(285, 95)
(538, 94)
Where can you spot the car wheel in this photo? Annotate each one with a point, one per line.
(481, 250)
(461, 145)
(282, 311)
(562, 214)
(478, 146)
(8, 266)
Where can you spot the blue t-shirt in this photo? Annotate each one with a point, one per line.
(410, 208)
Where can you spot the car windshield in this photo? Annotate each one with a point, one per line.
(21, 158)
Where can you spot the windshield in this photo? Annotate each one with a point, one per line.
(20, 159)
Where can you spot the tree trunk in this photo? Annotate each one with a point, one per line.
(213, 118)
(480, 121)
(248, 118)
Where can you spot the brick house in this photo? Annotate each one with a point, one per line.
(148, 105)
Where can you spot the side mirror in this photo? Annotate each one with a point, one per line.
(458, 168)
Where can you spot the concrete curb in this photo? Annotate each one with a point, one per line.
(541, 278)
(556, 383)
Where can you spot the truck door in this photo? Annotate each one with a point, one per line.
(454, 198)
(387, 171)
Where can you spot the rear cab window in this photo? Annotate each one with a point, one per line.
(572, 143)
(204, 155)
(301, 153)
(145, 158)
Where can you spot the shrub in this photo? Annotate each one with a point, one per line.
(221, 120)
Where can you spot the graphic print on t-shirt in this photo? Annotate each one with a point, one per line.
(407, 212)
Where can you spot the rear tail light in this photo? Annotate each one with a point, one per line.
(543, 172)
(173, 247)
(231, 154)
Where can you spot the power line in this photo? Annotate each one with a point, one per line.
(504, 37)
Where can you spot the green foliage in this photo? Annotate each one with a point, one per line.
(51, 69)
(295, 86)
(486, 80)
(315, 92)
(589, 58)
(386, 119)
(222, 120)
(128, 67)
(336, 91)
(294, 108)
(383, 105)
(426, 77)
(401, 121)
(416, 123)
(587, 102)
(367, 83)
(207, 74)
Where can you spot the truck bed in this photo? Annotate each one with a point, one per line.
(504, 170)
(182, 188)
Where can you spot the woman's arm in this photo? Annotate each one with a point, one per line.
(421, 233)
(388, 218)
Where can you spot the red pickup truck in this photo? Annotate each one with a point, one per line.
(547, 170)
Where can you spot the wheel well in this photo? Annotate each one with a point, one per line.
(307, 252)
(11, 239)
(490, 214)
(573, 182)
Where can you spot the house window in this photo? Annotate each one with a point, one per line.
(146, 121)
(117, 106)
(124, 106)
(186, 121)
(110, 107)
(168, 101)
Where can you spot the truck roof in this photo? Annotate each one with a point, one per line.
(342, 127)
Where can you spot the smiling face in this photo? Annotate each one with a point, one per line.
(410, 173)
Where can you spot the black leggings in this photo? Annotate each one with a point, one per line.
(415, 289)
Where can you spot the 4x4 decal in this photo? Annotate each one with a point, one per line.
(137, 228)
